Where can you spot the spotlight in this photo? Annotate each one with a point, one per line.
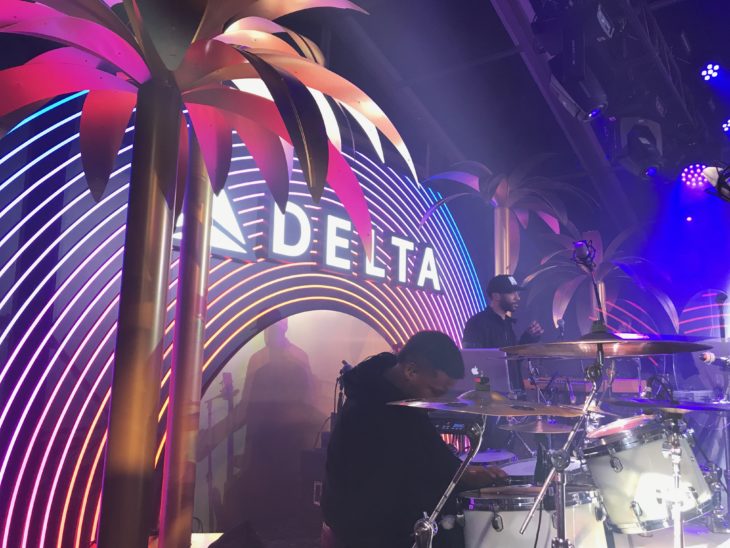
(726, 126)
(688, 219)
(711, 71)
(693, 177)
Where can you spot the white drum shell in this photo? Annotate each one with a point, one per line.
(639, 482)
(581, 527)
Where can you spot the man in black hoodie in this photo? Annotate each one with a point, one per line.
(386, 465)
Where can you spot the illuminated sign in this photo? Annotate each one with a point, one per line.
(60, 261)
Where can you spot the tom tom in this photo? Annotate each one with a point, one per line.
(634, 477)
(493, 517)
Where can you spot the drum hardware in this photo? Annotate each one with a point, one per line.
(426, 528)
(673, 450)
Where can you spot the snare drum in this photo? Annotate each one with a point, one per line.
(634, 478)
(492, 457)
(522, 472)
(493, 517)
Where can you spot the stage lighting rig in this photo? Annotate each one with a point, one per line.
(718, 177)
(710, 71)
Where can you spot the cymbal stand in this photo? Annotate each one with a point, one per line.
(719, 522)
(426, 528)
(673, 450)
(561, 459)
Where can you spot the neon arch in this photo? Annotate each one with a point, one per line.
(60, 261)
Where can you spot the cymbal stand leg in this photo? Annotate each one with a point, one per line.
(426, 528)
(674, 452)
(720, 519)
(562, 457)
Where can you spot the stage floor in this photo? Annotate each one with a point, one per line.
(695, 536)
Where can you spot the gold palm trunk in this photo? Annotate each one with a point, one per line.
(128, 511)
(183, 415)
(501, 240)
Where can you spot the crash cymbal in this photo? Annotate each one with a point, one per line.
(595, 409)
(538, 426)
(673, 406)
(491, 406)
(615, 345)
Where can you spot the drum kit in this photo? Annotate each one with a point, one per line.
(634, 475)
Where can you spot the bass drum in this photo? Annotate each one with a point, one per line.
(493, 517)
(635, 478)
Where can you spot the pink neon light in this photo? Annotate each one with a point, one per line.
(89, 433)
(65, 409)
(110, 284)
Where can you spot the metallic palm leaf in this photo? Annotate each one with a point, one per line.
(213, 132)
(30, 83)
(96, 11)
(270, 157)
(183, 164)
(303, 121)
(104, 119)
(343, 181)
(273, 9)
(318, 77)
(86, 36)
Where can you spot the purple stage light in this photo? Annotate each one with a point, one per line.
(710, 71)
(692, 176)
(689, 219)
(726, 126)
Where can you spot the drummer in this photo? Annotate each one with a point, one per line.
(493, 327)
(387, 465)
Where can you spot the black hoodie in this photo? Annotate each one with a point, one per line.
(386, 465)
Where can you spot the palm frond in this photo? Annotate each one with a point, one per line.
(104, 119)
(213, 132)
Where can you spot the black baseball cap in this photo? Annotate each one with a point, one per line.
(503, 283)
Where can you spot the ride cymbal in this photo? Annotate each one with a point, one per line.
(538, 427)
(615, 345)
(491, 406)
(673, 406)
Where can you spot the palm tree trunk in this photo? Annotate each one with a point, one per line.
(183, 414)
(127, 508)
(501, 240)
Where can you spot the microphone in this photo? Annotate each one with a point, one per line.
(561, 329)
(584, 254)
(711, 359)
(570, 391)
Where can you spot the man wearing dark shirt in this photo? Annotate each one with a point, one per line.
(494, 326)
(386, 465)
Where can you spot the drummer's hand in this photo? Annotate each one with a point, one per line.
(535, 329)
(477, 477)
(496, 475)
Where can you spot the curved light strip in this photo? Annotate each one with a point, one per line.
(61, 481)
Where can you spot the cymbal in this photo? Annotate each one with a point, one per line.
(595, 409)
(615, 345)
(492, 407)
(673, 406)
(538, 426)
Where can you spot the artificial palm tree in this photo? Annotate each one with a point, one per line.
(613, 264)
(514, 197)
(162, 57)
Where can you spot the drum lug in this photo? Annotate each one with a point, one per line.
(497, 523)
(694, 494)
(615, 462)
(638, 512)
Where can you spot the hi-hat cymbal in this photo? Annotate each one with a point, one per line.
(615, 345)
(492, 407)
(673, 406)
(538, 426)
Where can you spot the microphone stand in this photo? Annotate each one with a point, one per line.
(583, 256)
